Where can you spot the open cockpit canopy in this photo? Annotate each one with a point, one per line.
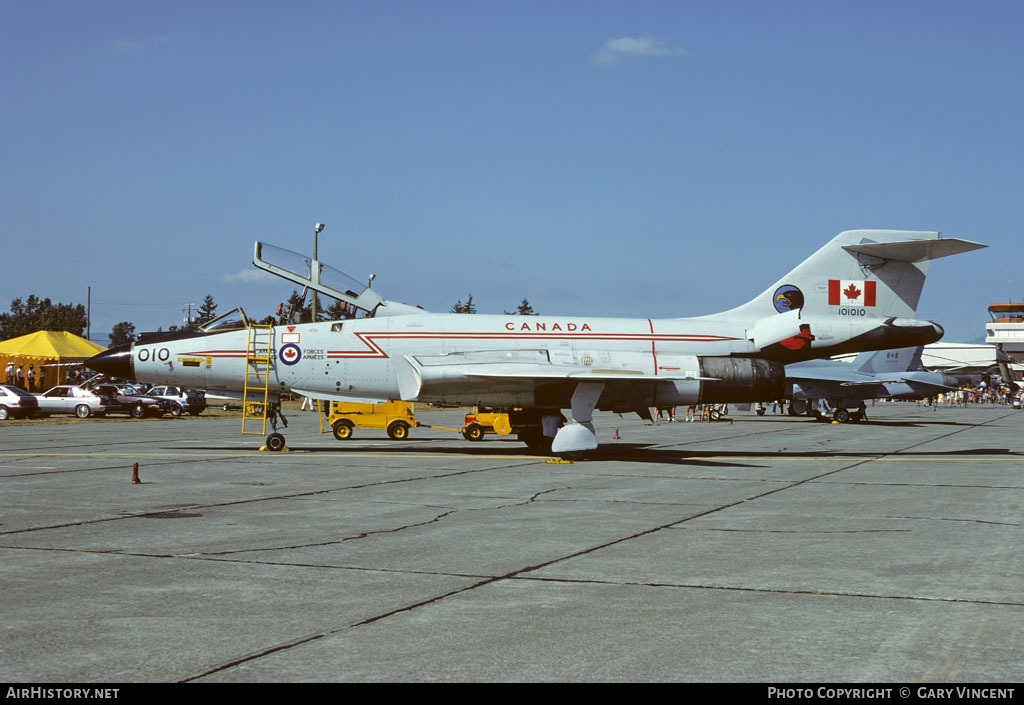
(324, 279)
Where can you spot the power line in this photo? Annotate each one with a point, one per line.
(122, 303)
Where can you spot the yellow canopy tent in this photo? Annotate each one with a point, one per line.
(48, 352)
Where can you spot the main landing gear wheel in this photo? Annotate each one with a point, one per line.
(473, 432)
(398, 430)
(841, 415)
(275, 441)
(343, 430)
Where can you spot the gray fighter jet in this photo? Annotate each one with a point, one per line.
(858, 292)
(837, 390)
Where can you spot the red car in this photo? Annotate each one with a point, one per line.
(125, 398)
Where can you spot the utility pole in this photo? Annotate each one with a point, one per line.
(187, 310)
(88, 313)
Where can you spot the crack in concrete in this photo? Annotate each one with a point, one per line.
(786, 531)
(778, 591)
(394, 530)
(968, 521)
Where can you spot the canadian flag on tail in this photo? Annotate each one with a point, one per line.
(851, 292)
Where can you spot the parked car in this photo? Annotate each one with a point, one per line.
(124, 398)
(16, 403)
(70, 399)
(181, 399)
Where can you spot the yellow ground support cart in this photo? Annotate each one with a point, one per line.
(484, 420)
(394, 416)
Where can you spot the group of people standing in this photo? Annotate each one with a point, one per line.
(32, 377)
(979, 395)
(22, 377)
(694, 412)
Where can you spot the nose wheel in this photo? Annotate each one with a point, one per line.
(275, 442)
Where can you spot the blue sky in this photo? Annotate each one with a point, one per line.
(649, 159)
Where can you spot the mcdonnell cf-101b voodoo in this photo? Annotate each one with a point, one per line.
(858, 292)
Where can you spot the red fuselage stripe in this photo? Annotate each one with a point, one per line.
(374, 351)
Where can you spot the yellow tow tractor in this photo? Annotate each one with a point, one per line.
(394, 416)
(397, 418)
(484, 420)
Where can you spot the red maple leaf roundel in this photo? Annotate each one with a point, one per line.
(851, 292)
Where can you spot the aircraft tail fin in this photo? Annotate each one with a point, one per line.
(873, 273)
(889, 361)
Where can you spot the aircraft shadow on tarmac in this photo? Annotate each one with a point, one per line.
(627, 452)
(641, 453)
(831, 454)
(903, 424)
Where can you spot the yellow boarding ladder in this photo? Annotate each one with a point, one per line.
(257, 380)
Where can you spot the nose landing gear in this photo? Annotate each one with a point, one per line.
(275, 442)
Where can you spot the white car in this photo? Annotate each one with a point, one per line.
(15, 402)
(183, 399)
(70, 399)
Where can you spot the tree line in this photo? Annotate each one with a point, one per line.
(524, 308)
(35, 314)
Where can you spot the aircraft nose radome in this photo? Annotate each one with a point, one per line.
(115, 362)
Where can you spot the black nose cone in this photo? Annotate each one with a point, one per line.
(115, 362)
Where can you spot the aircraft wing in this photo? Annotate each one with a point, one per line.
(339, 396)
(816, 374)
(869, 383)
(927, 384)
(855, 379)
(541, 371)
(913, 381)
(413, 376)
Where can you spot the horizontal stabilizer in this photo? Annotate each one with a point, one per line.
(914, 250)
(912, 381)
